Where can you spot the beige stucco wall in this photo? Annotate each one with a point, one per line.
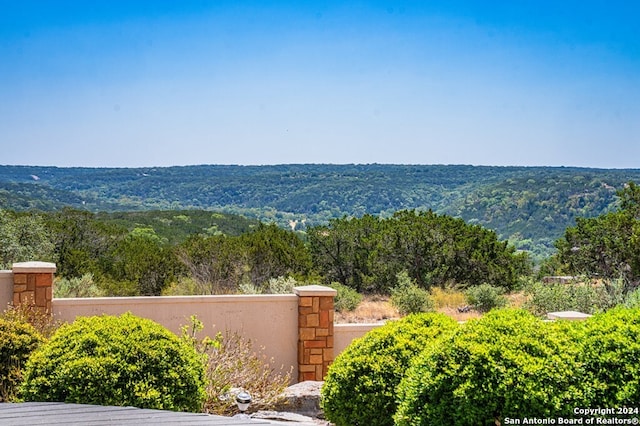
(269, 321)
(344, 334)
(6, 288)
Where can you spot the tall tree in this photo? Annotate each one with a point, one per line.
(607, 246)
(140, 263)
(216, 263)
(81, 241)
(274, 252)
(368, 252)
(24, 237)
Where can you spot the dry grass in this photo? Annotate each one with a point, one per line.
(516, 300)
(459, 316)
(447, 298)
(233, 364)
(373, 308)
(42, 321)
(376, 308)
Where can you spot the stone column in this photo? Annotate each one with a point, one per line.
(315, 331)
(33, 284)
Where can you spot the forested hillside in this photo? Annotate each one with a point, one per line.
(530, 206)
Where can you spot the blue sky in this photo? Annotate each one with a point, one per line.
(160, 83)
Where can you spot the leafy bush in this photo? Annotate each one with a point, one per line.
(18, 339)
(506, 364)
(553, 297)
(347, 299)
(76, 287)
(632, 299)
(233, 364)
(108, 360)
(610, 352)
(408, 298)
(360, 386)
(281, 285)
(183, 286)
(486, 297)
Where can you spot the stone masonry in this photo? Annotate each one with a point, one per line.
(33, 284)
(315, 331)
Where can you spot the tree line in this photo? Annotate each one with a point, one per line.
(366, 253)
(528, 206)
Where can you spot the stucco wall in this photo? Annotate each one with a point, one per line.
(269, 321)
(344, 334)
(6, 288)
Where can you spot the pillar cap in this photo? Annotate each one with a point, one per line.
(33, 267)
(314, 290)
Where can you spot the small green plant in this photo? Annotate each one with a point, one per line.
(552, 297)
(360, 387)
(18, 339)
(408, 298)
(184, 286)
(76, 287)
(281, 285)
(247, 287)
(347, 299)
(632, 300)
(485, 297)
(123, 360)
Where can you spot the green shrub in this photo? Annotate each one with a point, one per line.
(18, 339)
(108, 360)
(281, 285)
(76, 287)
(506, 364)
(610, 355)
(632, 299)
(485, 297)
(408, 298)
(544, 298)
(347, 299)
(360, 386)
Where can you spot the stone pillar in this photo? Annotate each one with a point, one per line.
(33, 284)
(315, 331)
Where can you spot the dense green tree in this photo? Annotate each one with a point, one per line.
(216, 263)
(607, 246)
(529, 206)
(367, 253)
(81, 241)
(220, 263)
(272, 252)
(24, 237)
(346, 250)
(140, 263)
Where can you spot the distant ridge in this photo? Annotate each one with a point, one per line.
(531, 206)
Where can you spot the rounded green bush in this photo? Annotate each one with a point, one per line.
(18, 339)
(507, 364)
(347, 299)
(123, 360)
(408, 298)
(485, 297)
(611, 357)
(360, 386)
